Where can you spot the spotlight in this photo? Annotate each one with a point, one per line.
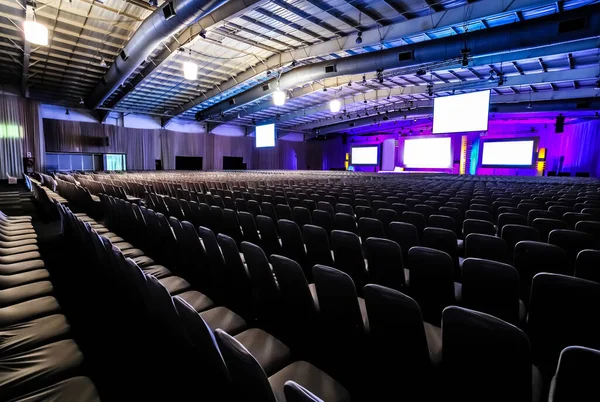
(294, 63)
(81, 102)
(465, 53)
(67, 112)
(364, 80)
(421, 72)
(36, 33)
(324, 89)
(365, 101)
(430, 90)
(278, 97)
(359, 38)
(501, 79)
(350, 84)
(153, 3)
(103, 63)
(202, 34)
(529, 106)
(190, 70)
(335, 105)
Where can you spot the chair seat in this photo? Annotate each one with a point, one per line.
(134, 253)
(22, 293)
(270, 352)
(16, 226)
(16, 232)
(199, 301)
(21, 372)
(28, 310)
(23, 278)
(175, 284)
(18, 243)
(30, 334)
(157, 271)
(122, 245)
(80, 389)
(311, 378)
(18, 250)
(434, 342)
(13, 237)
(23, 266)
(113, 237)
(225, 319)
(11, 259)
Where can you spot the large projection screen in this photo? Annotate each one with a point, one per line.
(461, 113)
(513, 153)
(265, 136)
(432, 153)
(365, 155)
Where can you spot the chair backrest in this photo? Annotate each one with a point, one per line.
(385, 262)
(268, 235)
(577, 374)
(237, 279)
(510, 219)
(563, 312)
(512, 234)
(214, 257)
(249, 228)
(478, 226)
(283, 211)
(370, 227)
(431, 281)
(317, 246)
(378, 204)
(491, 287)
(261, 277)
(587, 265)
(572, 242)
(327, 207)
(455, 214)
(292, 241)
(301, 216)
(295, 392)
(249, 380)
(539, 213)
(405, 234)
(589, 227)
(415, 218)
(268, 210)
(486, 246)
(348, 256)
(489, 353)
(546, 225)
(231, 225)
(480, 215)
(571, 218)
(387, 216)
(345, 222)
(322, 219)
(338, 301)
(363, 211)
(344, 209)
(442, 222)
(443, 240)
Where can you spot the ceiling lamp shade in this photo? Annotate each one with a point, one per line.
(190, 70)
(36, 33)
(279, 97)
(335, 106)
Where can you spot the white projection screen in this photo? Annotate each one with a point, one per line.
(365, 155)
(265, 136)
(461, 113)
(432, 153)
(508, 153)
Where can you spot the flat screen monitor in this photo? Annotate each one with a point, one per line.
(265, 136)
(428, 153)
(508, 153)
(365, 155)
(461, 113)
(115, 162)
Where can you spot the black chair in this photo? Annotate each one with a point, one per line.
(443, 240)
(231, 225)
(485, 246)
(510, 219)
(571, 218)
(546, 225)
(587, 265)
(268, 235)
(492, 288)
(344, 209)
(363, 211)
(589, 227)
(493, 354)
(384, 258)
(400, 208)
(387, 216)
(377, 205)
(327, 207)
(531, 258)
(415, 218)
(539, 213)
(216, 218)
(563, 311)
(572, 242)
(512, 234)
(576, 375)
(254, 207)
(431, 281)
(479, 215)
(478, 226)
(370, 227)
(322, 219)
(317, 246)
(301, 216)
(455, 214)
(424, 209)
(249, 228)
(268, 210)
(250, 383)
(405, 234)
(283, 211)
(345, 222)
(348, 256)
(398, 334)
(293, 244)
(442, 222)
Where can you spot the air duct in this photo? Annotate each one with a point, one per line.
(530, 34)
(165, 21)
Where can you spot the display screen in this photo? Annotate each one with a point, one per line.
(365, 155)
(265, 136)
(115, 162)
(428, 153)
(461, 113)
(508, 153)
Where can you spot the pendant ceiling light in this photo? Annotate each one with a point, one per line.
(279, 97)
(36, 33)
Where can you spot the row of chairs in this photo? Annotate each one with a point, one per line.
(38, 358)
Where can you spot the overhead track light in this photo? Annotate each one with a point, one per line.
(359, 38)
(103, 63)
(279, 97)
(335, 106)
(36, 33)
(190, 69)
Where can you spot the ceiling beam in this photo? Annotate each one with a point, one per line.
(400, 8)
(334, 12)
(373, 14)
(303, 14)
(371, 37)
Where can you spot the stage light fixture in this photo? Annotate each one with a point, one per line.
(529, 106)
(279, 97)
(420, 72)
(202, 34)
(67, 112)
(153, 3)
(335, 105)
(36, 33)
(359, 38)
(103, 63)
(81, 102)
(190, 70)
(465, 53)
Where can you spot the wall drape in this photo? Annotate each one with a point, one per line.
(21, 132)
(142, 147)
